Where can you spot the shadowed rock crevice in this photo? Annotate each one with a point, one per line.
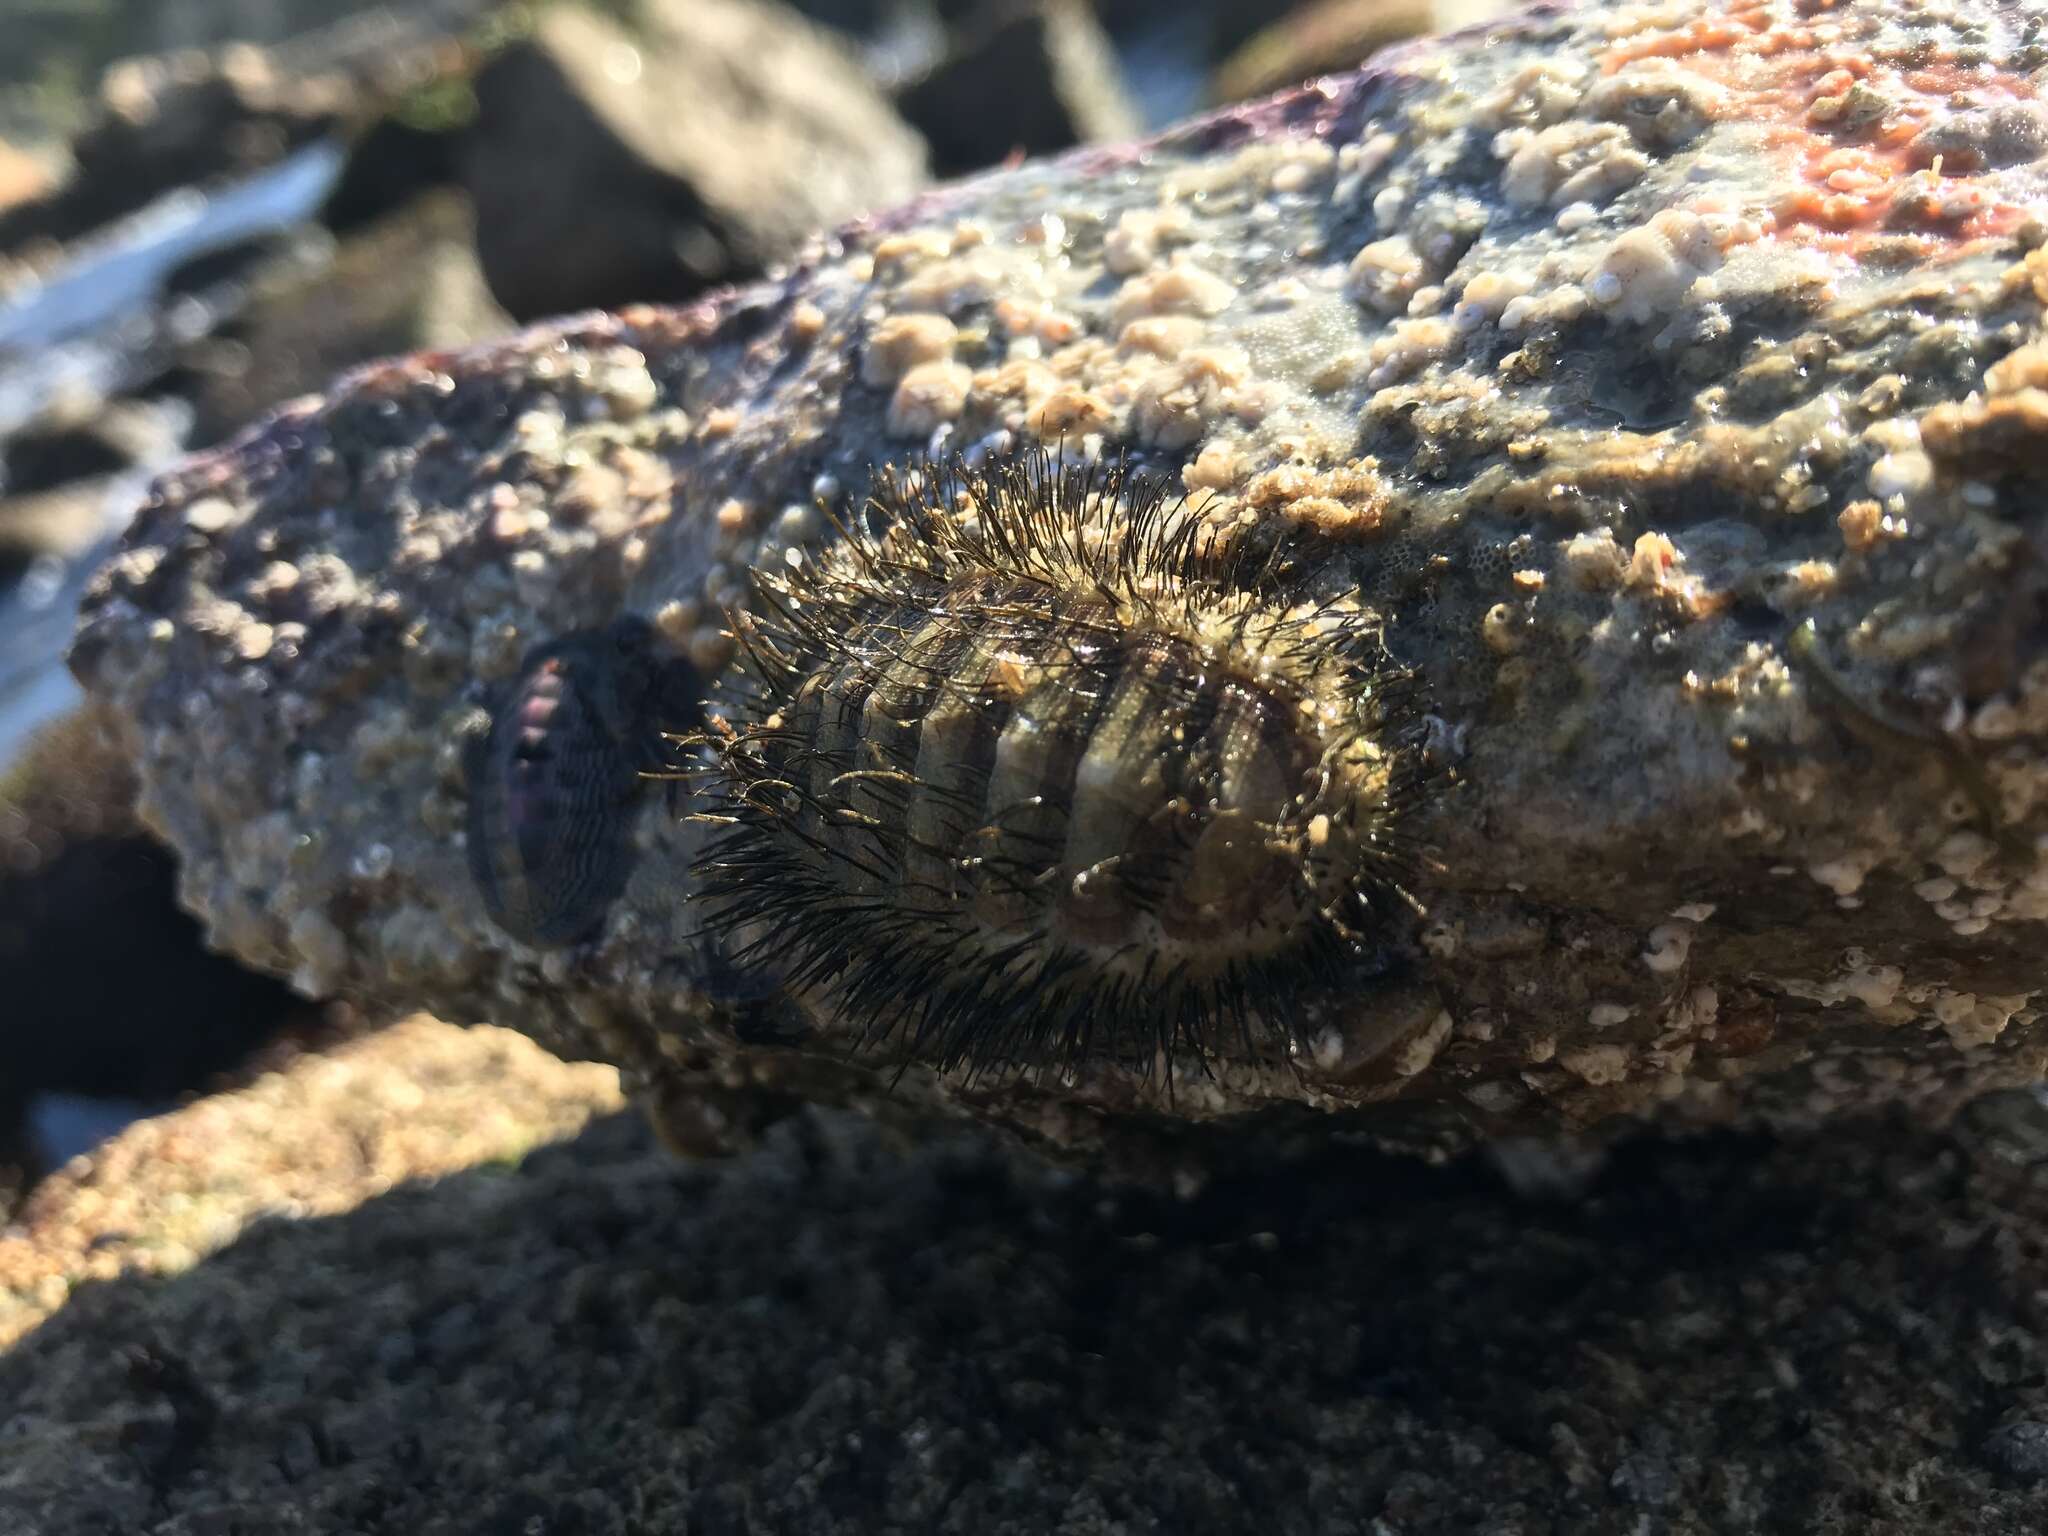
(106, 987)
(836, 1335)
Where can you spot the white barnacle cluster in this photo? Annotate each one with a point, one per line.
(1567, 163)
(988, 339)
(1971, 888)
(1901, 473)
(1386, 274)
(1649, 271)
(1141, 236)
(925, 281)
(1970, 1020)
(910, 352)
(1975, 880)
(1875, 987)
(1843, 874)
(1575, 144)
(2005, 729)
(1887, 997)
(1662, 105)
(1669, 944)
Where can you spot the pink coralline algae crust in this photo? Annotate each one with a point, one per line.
(1665, 382)
(1871, 126)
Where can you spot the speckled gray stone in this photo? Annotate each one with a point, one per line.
(1671, 380)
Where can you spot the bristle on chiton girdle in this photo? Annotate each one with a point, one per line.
(554, 782)
(1047, 770)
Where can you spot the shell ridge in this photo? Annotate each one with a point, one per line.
(977, 778)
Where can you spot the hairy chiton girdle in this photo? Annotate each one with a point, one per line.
(1038, 765)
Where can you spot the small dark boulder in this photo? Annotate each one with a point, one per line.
(1024, 79)
(611, 166)
(109, 988)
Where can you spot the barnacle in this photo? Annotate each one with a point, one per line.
(1049, 769)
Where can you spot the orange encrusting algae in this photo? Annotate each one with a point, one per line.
(1849, 119)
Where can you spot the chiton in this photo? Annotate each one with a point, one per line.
(554, 782)
(1047, 769)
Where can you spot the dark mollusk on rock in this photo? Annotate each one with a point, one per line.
(553, 782)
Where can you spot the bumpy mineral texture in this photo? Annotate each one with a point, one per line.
(1672, 379)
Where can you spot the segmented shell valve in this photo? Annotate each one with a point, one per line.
(1050, 767)
(555, 783)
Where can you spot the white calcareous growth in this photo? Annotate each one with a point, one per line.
(1386, 274)
(1645, 275)
(903, 342)
(927, 396)
(1669, 944)
(1575, 162)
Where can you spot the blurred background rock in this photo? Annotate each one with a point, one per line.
(210, 206)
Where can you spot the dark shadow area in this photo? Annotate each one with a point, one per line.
(108, 990)
(1841, 1334)
(145, 1010)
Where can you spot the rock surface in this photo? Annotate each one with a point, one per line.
(58, 54)
(63, 524)
(611, 165)
(1333, 35)
(350, 1298)
(307, 1133)
(1672, 388)
(407, 281)
(197, 114)
(23, 177)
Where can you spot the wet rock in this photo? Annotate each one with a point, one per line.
(110, 989)
(1694, 480)
(182, 119)
(306, 26)
(59, 53)
(2010, 1127)
(178, 121)
(900, 39)
(862, 19)
(1336, 35)
(51, 525)
(462, 1326)
(230, 268)
(1025, 78)
(192, 114)
(609, 166)
(1208, 32)
(313, 1125)
(24, 178)
(2020, 1449)
(393, 163)
(874, 22)
(402, 283)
